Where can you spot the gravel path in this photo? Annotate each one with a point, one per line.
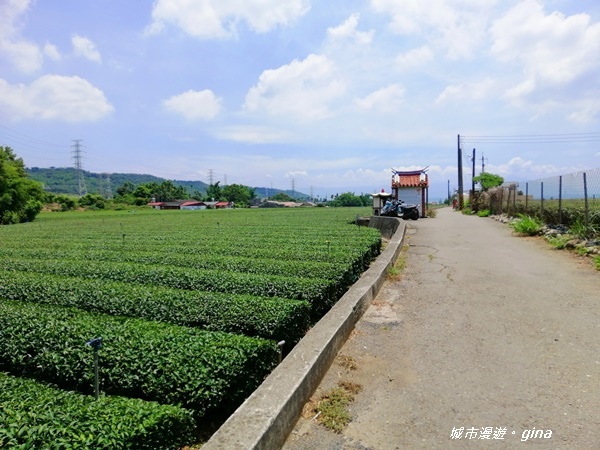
(486, 332)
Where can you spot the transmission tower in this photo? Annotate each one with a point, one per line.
(294, 188)
(77, 157)
(108, 188)
(211, 175)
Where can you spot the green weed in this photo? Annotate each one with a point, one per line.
(558, 242)
(333, 405)
(484, 213)
(527, 225)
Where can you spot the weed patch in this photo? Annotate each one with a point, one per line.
(332, 408)
(527, 225)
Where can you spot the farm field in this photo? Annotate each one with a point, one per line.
(190, 306)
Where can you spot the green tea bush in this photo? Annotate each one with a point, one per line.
(269, 318)
(166, 363)
(33, 415)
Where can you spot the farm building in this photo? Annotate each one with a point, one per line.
(411, 187)
(179, 204)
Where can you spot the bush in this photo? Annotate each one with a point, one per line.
(484, 213)
(270, 318)
(170, 364)
(527, 225)
(38, 416)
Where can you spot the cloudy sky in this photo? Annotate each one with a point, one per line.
(324, 96)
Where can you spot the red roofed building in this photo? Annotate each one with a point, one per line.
(411, 186)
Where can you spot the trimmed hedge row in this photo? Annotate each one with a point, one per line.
(317, 291)
(266, 317)
(303, 269)
(196, 369)
(283, 251)
(33, 415)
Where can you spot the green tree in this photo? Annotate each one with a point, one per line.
(126, 188)
(347, 199)
(488, 180)
(281, 197)
(94, 201)
(214, 192)
(239, 194)
(21, 198)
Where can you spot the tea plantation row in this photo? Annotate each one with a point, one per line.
(190, 306)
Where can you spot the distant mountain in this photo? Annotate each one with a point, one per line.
(65, 180)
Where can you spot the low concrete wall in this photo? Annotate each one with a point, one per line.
(266, 418)
(387, 225)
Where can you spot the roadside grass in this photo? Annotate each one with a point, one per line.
(597, 262)
(527, 225)
(558, 242)
(332, 407)
(395, 271)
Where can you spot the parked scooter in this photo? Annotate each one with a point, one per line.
(397, 208)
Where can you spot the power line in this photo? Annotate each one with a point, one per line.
(532, 138)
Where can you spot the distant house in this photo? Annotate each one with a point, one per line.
(219, 205)
(179, 204)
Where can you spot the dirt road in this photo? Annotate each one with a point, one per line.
(486, 332)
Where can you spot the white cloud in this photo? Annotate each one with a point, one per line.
(219, 18)
(21, 53)
(70, 99)
(414, 58)
(251, 134)
(386, 100)
(84, 47)
(347, 30)
(51, 51)
(195, 105)
(559, 56)
(457, 26)
(480, 90)
(302, 89)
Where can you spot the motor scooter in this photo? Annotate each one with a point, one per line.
(398, 208)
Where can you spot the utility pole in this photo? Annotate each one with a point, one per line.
(473, 174)
(461, 201)
(482, 163)
(448, 191)
(77, 157)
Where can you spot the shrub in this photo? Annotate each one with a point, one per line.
(38, 416)
(527, 225)
(270, 318)
(582, 231)
(484, 213)
(166, 363)
(431, 212)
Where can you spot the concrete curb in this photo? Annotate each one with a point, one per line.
(266, 418)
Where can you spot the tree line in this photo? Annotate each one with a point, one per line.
(22, 198)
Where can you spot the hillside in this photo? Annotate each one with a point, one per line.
(64, 180)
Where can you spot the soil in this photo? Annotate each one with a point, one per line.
(484, 331)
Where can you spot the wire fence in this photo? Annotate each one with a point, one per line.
(560, 200)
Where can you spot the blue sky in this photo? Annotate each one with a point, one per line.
(326, 96)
